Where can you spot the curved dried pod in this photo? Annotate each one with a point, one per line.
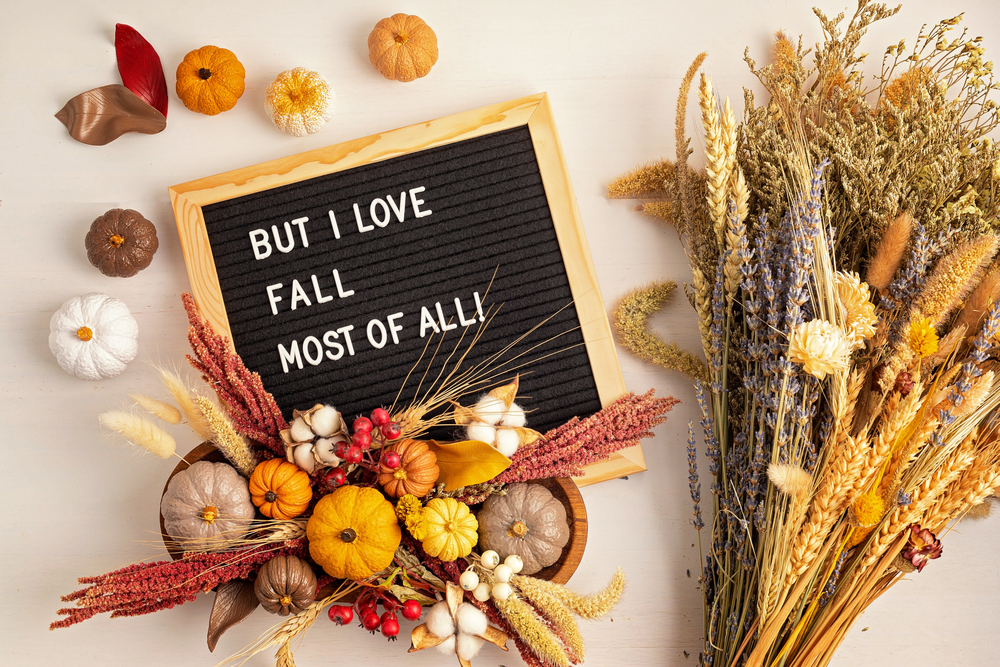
(99, 116)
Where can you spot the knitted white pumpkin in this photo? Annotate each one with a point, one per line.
(93, 336)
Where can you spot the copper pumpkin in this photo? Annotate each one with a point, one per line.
(121, 243)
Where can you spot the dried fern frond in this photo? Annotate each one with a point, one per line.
(140, 432)
(631, 320)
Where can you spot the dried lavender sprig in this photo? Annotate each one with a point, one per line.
(694, 485)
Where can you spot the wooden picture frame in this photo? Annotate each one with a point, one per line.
(534, 112)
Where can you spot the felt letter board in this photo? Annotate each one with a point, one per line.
(334, 270)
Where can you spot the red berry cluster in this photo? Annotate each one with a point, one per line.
(370, 432)
(367, 609)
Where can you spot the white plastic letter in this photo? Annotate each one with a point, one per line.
(290, 355)
(378, 345)
(461, 316)
(329, 340)
(260, 242)
(274, 298)
(277, 238)
(393, 327)
(299, 294)
(340, 288)
(444, 325)
(362, 227)
(301, 222)
(313, 360)
(384, 220)
(319, 295)
(347, 337)
(333, 223)
(401, 209)
(417, 202)
(427, 322)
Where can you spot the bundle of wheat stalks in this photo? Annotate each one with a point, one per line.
(848, 307)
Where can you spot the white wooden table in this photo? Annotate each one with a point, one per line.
(75, 502)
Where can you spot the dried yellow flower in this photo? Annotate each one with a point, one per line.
(855, 297)
(867, 509)
(820, 346)
(416, 525)
(407, 505)
(923, 338)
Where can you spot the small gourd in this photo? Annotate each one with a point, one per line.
(210, 80)
(93, 336)
(449, 529)
(121, 243)
(207, 500)
(402, 47)
(299, 101)
(280, 489)
(416, 473)
(285, 584)
(529, 522)
(353, 533)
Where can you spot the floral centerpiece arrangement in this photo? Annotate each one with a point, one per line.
(843, 246)
(367, 518)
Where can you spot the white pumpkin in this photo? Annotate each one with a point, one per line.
(93, 336)
(208, 499)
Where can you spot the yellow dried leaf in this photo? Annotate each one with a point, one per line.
(507, 393)
(467, 462)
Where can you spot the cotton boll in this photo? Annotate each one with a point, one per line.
(303, 457)
(490, 409)
(325, 451)
(300, 431)
(468, 646)
(484, 432)
(507, 441)
(325, 421)
(447, 646)
(470, 620)
(514, 416)
(439, 622)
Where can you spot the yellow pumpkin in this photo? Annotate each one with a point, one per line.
(280, 489)
(450, 529)
(299, 101)
(353, 533)
(402, 47)
(210, 80)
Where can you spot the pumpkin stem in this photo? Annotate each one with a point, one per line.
(400, 474)
(204, 73)
(402, 38)
(84, 333)
(348, 535)
(270, 496)
(116, 240)
(285, 601)
(519, 529)
(209, 514)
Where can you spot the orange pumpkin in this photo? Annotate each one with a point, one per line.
(210, 80)
(402, 47)
(417, 471)
(280, 489)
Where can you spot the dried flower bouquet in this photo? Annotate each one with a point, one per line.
(848, 423)
(318, 514)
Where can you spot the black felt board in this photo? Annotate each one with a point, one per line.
(488, 210)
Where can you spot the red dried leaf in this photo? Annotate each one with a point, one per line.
(140, 67)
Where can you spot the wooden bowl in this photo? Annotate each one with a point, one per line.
(562, 488)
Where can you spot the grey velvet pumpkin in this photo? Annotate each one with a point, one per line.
(529, 522)
(206, 500)
(285, 584)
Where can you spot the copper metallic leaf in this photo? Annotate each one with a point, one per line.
(234, 601)
(467, 462)
(101, 115)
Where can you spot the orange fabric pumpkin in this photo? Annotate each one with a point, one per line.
(402, 47)
(280, 489)
(417, 472)
(210, 80)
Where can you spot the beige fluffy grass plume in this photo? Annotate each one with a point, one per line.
(890, 251)
(953, 278)
(978, 304)
(185, 399)
(140, 432)
(157, 408)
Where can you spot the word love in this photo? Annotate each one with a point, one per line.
(380, 213)
(333, 344)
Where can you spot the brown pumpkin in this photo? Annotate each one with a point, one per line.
(402, 47)
(121, 243)
(285, 584)
(529, 522)
(417, 471)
